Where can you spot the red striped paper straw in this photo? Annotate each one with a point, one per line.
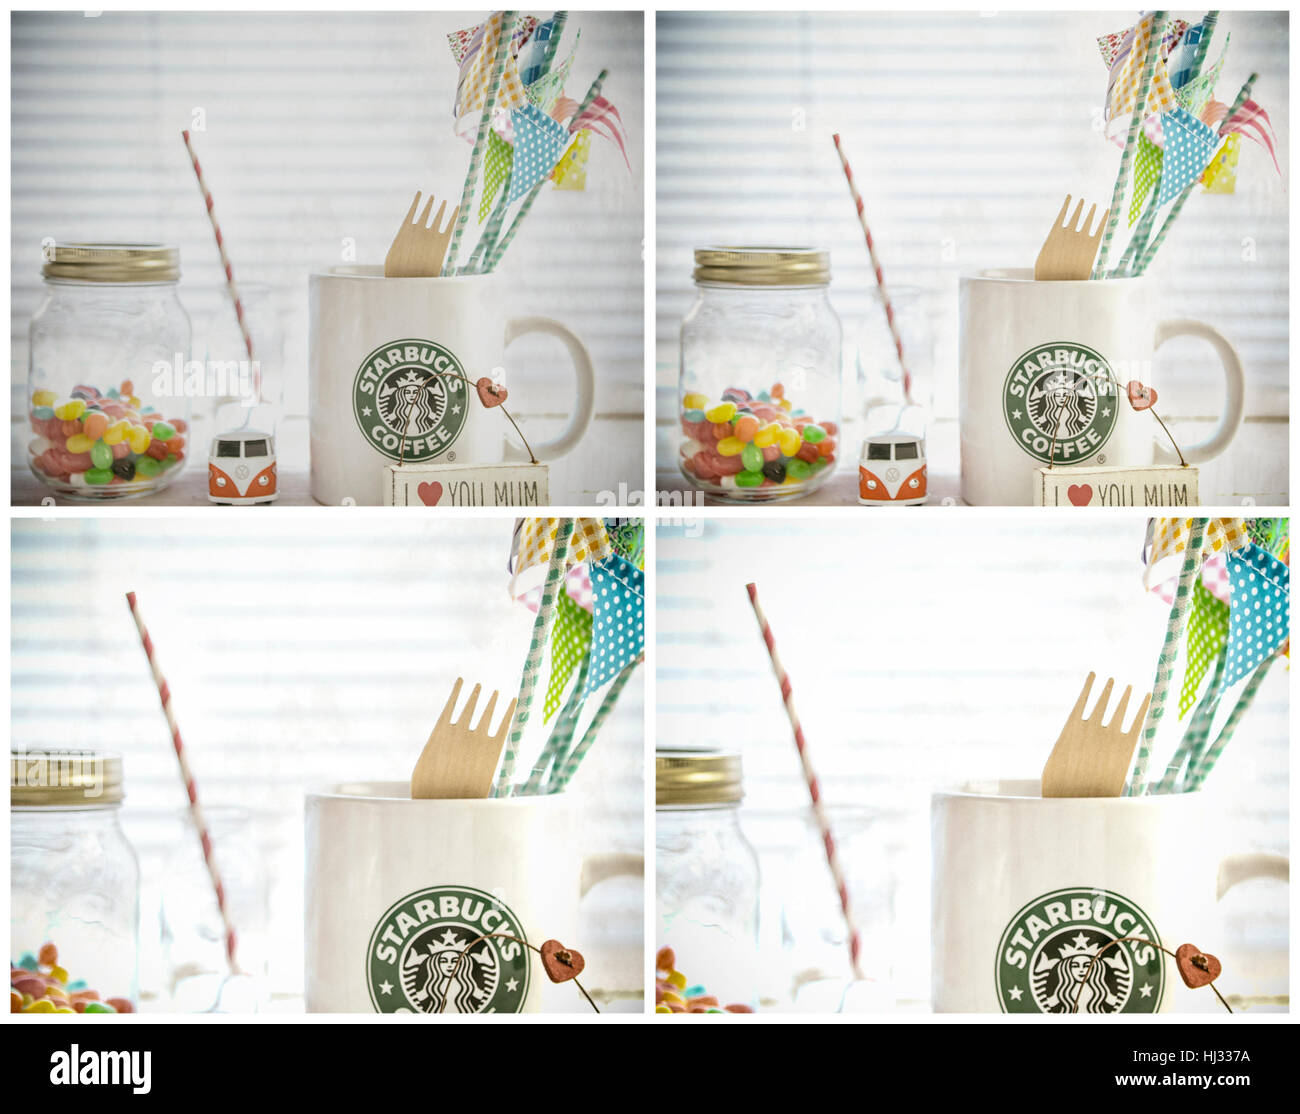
(191, 789)
(814, 788)
(880, 274)
(221, 246)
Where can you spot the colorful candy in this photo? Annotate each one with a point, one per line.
(672, 995)
(748, 441)
(100, 439)
(37, 984)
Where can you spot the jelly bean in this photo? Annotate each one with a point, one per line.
(85, 995)
(69, 427)
(721, 430)
(53, 963)
(33, 986)
(827, 447)
(726, 465)
(723, 412)
(99, 476)
(738, 1007)
(677, 979)
(746, 427)
(774, 470)
(695, 401)
(79, 985)
(814, 433)
(767, 435)
(127, 387)
(778, 391)
(107, 1007)
(789, 441)
(101, 455)
(42, 413)
(786, 404)
(146, 468)
(808, 453)
(731, 446)
(95, 425)
(751, 456)
(702, 1000)
(116, 433)
(179, 425)
(163, 432)
(64, 1009)
(665, 959)
(662, 1009)
(820, 463)
(749, 479)
(122, 1005)
(79, 443)
(693, 416)
(798, 470)
(172, 459)
(70, 411)
(157, 450)
(831, 428)
(177, 445)
(113, 409)
(43, 398)
(41, 1005)
(138, 439)
(736, 395)
(133, 402)
(671, 999)
(15, 1002)
(124, 469)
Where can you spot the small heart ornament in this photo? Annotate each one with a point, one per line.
(1080, 494)
(430, 493)
(490, 394)
(1140, 397)
(1197, 968)
(561, 963)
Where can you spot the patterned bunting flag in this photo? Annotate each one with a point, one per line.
(1253, 122)
(571, 170)
(1146, 172)
(1126, 78)
(618, 632)
(570, 641)
(602, 118)
(1194, 94)
(533, 56)
(1207, 631)
(1260, 619)
(1221, 175)
(539, 143)
(627, 536)
(546, 90)
(1189, 147)
(535, 538)
(496, 167)
(476, 73)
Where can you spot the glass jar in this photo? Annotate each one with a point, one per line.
(109, 372)
(706, 872)
(759, 392)
(74, 878)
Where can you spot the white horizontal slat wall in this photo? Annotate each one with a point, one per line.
(923, 656)
(297, 654)
(965, 131)
(319, 128)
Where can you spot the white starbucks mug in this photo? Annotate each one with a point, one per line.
(397, 890)
(385, 356)
(1043, 368)
(1028, 892)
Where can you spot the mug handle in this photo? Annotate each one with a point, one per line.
(1234, 391)
(584, 401)
(609, 864)
(1254, 864)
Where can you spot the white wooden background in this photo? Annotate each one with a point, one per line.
(965, 131)
(319, 128)
(924, 652)
(298, 654)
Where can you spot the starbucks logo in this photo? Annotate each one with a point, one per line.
(1063, 393)
(417, 960)
(410, 390)
(1053, 956)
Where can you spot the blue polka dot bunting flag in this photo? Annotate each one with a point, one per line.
(539, 143)
(618, 632)
(1260, 621)
(1189, 147)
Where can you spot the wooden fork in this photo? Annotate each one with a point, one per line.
(418, 248)
(458, 761)
(1089, 759)
(1069, 249)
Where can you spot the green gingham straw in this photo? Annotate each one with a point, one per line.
(1130, 144)
(1201, 767)
(1150, 252)
(480, 141)
(561, 735)
(495, 258)
(532, 663)
(1168, 655)
(1198, 730)
(568, 766)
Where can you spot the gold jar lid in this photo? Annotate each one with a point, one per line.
(698, 777)
(125, 263)
(63, 779)
(736, 266)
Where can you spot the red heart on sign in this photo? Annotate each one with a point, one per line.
(1140, 397)
(1197, 968)
(490, 394)
(1080, 494)
(430, 494)
(561, 963)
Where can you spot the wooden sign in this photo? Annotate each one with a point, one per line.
(1166, 485)
(466, 485)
